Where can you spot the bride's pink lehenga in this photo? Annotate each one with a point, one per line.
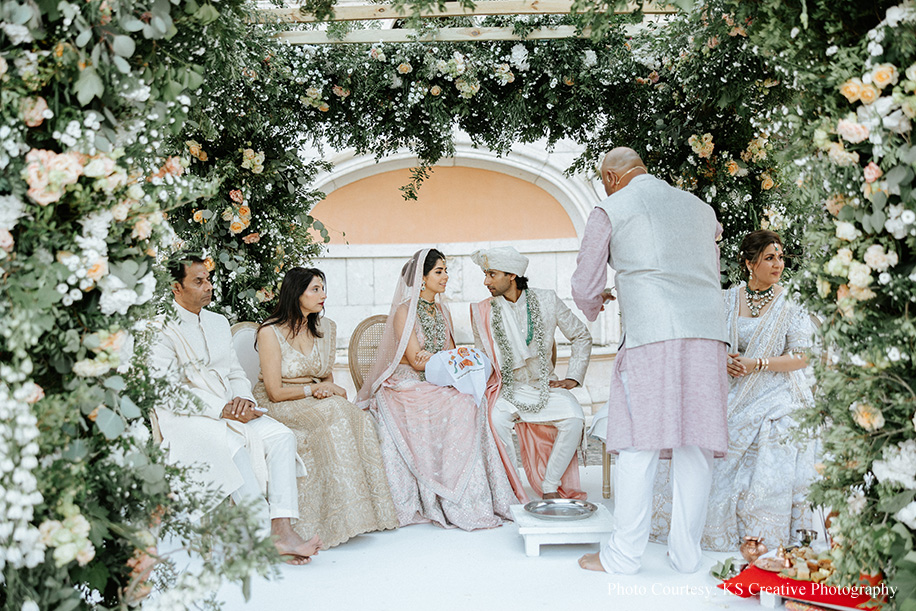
(438, 451)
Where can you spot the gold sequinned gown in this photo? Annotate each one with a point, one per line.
(345, 492)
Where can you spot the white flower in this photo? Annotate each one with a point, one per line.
(852, 131)
(907, 515)
(18, 34)
(898, 465)
(884, 278)
(519, 57)
(90, 368)
(30, 605)
(856, 502)
(590, 58)
(859, 274)
(831, 50)
(897, 122)
(908, 217)
(116, 297)
(11, 208)
(795, 31)
(846, 231)
(893, 354)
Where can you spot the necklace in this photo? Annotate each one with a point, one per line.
(535, 333)
(757, 300)
(433, 325)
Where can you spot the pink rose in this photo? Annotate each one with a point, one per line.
(872, 172)
(6, 240)
(142, 229)
(33, 110)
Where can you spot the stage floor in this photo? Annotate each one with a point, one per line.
(426, 567)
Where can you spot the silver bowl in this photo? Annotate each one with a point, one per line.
(561, 509)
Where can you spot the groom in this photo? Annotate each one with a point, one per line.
(516, 329)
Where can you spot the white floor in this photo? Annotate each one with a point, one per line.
(426, 567)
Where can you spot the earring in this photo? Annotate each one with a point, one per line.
(423, 286)
(750, 274)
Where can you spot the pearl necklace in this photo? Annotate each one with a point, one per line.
(757, 300)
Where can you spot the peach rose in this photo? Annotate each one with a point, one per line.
(883, 75)
(844, 300)
(868, 94)
(851, 89)
(98, 269)
(252, 238)
(33, 110)
(766, 182)
(340, 91)
(142, 229)
(199, 216)
(114, 342)
(435, 90)
(244, 211)
(209, 264)
(237, 196)
(236, 226)
(173, 166)
(834, 204)
(569, 81)
(872, 172)
(733, 168)
(323, 107)
(405, 68)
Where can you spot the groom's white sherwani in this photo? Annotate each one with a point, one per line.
(247, 461)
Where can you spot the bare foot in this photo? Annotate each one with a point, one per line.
(295, 550)
(591, 562)
(551, 495)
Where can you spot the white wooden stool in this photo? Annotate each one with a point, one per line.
(539, 531)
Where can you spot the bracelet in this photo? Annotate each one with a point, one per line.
(757, 363)
(307, 390)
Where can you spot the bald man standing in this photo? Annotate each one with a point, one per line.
(669, 386)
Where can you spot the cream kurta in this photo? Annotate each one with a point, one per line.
(554, 315)
(198, 351)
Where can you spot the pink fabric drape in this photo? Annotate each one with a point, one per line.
(535, 440)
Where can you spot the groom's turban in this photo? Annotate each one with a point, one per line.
(503, 258)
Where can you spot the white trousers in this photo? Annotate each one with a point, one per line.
(634, 478)
(569, 433)
(280, 453)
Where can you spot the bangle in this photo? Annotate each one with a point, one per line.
(307, 391)
(757, 364)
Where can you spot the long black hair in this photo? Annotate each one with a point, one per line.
(432, 257)
(288, 312)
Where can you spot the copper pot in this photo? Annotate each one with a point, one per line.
(753, 548)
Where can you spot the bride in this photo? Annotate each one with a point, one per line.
(442, 462)
(345, 492)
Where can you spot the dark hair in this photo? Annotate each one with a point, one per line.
(178, 266)
(288, 312)
(429, 263)
(753, 245)
(521, 282)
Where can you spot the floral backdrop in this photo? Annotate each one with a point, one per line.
(115, 150)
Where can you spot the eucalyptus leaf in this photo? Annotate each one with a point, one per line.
(132, 25)
(83, 38)
(123, 45)
(908, 155)
(115, 383)
(879, 198)
(121, 64)
(109, 422)
(76, 451)
(897, 502)
(129, 409)
(21, 14)
(88, 86)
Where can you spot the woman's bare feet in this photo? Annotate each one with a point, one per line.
(293, 548)
(591, 562)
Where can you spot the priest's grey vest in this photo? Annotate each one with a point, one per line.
(663, 250)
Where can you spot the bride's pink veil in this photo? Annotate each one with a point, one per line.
(392, 346)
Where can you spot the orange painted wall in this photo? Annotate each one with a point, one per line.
(455, 205)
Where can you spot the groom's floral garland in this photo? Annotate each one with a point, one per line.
(535, 325)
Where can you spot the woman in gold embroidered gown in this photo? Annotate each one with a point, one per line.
(345, 492)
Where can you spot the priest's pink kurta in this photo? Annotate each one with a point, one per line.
(674, 394)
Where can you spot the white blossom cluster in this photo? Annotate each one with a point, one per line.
(20, 544)
(182, 596)
(898, 467)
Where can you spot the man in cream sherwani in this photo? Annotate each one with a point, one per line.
(516, 328)
(243, 453)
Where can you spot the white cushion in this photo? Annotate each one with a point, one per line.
(243, 343)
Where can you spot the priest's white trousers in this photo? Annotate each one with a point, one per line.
(569, 434)
(280, 452)
(634, 478)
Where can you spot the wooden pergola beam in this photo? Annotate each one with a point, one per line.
(295, 14)
(320, 37)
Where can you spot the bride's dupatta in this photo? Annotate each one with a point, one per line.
(437, 434)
